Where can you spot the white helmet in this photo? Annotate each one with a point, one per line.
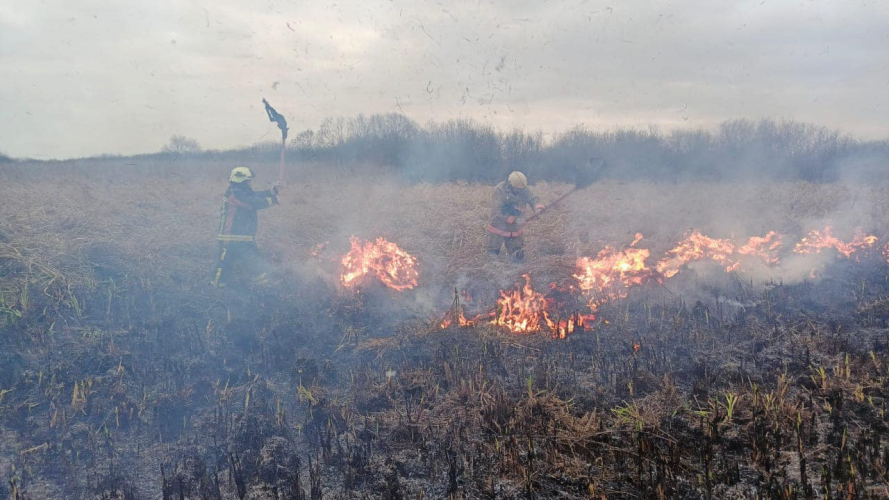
(518, 180)
(241, 174)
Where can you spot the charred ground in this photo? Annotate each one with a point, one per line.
(124, 375)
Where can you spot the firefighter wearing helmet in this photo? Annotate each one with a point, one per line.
(511, 201)
(238, 253)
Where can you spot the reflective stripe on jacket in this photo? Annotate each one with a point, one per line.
(238, 215)
(234, 237)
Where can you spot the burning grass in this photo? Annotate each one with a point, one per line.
(608, 275)
(124, 375)
(380, 259)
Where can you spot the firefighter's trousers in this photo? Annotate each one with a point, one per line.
(515, 246)
(239, 262)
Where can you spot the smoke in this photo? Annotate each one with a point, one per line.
(441, 224)
(468, 150)
(744, 179)
(427, 188)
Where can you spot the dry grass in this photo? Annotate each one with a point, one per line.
(526, 412)
(56, 231)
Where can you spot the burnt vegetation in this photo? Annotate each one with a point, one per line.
(123, 375)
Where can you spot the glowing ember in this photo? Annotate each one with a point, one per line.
(382, 259)
(697, 247)
(765, 247)
(816, 241)
(611, 272)
(317, 249)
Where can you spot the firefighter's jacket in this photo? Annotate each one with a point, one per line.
(238, 218)
(509, 204)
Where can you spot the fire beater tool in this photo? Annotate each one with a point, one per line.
(277, 118)
(582, 179)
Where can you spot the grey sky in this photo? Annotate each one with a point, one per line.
(88, 77)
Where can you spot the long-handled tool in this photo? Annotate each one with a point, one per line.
(582, 179)
(274, 116)
(551, 204)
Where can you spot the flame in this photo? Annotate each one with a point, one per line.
(460, 320)
(816, 241)
(563, 328)
(611, 272)
(455, 313)
(394, 267)
(317, 249)
(765, 247)
(521, 311)
(696, 246)
(525, 311)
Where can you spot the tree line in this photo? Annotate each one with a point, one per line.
(463, 149)
(467, 150)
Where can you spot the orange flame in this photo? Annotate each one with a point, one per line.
(565, 327)
(696, 246)
(611, 272)
(525, 311)
(765, 247)
(521, 311)
(816, 241)
(461, 320)
(394, 267)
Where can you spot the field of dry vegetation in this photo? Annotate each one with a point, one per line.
(123, 374)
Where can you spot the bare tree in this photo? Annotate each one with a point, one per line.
(179, 144)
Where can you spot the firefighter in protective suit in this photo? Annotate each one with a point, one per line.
(238, 253)
(511, 200)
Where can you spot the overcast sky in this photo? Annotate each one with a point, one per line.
(88, 77)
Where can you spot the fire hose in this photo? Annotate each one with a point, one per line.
(277, 118)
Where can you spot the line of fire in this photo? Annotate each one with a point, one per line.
(606, 277)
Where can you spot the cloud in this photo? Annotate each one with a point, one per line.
(109, 77)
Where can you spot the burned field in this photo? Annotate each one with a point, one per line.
(680, 365)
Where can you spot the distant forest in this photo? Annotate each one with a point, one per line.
(472, 151)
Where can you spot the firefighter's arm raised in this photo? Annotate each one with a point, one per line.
(262, 199)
